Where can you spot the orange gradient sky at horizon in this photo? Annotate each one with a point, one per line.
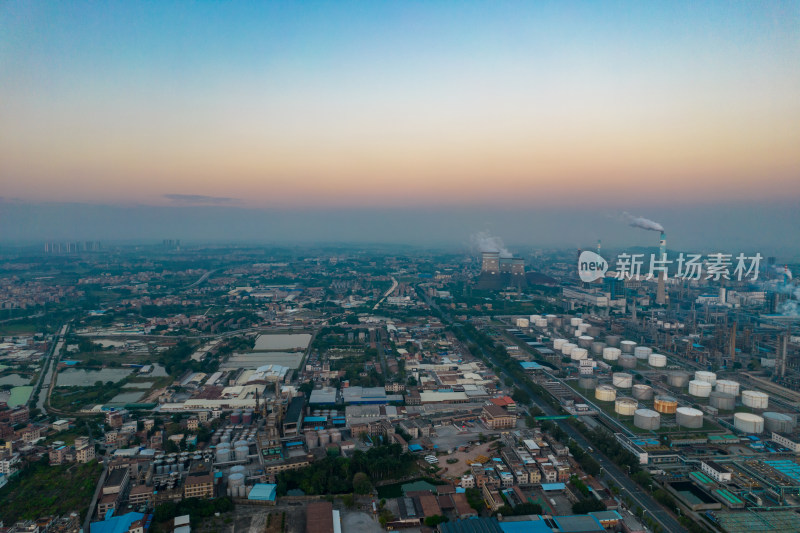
(488, 111)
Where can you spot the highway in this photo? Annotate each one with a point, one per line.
(387, 293)
(610, 470)
(50, 363)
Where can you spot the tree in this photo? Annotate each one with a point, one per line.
(435, 520)
(361, 483)
(587, 506)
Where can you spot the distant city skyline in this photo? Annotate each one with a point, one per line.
(400, 105)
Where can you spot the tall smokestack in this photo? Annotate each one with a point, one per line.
(661, 293)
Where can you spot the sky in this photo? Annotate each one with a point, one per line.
(321, 107)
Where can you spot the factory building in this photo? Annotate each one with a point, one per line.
(715, 471)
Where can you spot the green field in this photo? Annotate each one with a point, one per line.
(42, 490)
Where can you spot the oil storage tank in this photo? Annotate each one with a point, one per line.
(642, 392)
(688, 417)
(575, 321)
(611, 354)
(755, 399)
(567, 348)
(558, 343)
(748, 423)
(613, 340)
(642, 352)
(708, 377)
(627, 360)
(778, 422)
(579, 354)
(665, 404)
(726, 385)
(587, 383)
(657, 360)
(647, 419)
(627, 346)
(242, 452)
(605, 393)
(597, 348)
(585, 341)
(722, 401)
(625, 406)
(223, 454)
(622, 380)
(678, 379)
(699, 389)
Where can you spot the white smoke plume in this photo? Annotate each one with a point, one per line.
(783, 269)
(486, 242)
(641, 222)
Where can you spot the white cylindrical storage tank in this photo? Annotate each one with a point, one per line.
(223, 455)
(534, 318)
(642, 392)
(575, 321)
(579, 354)
(657, 360)
(558, 343)
(597, 347)
(594, 331)
(567, 348)
(625, 406)
(627, 346)
(778, 422)
(728, 386)
(689, 418)
(540, 323)
(722, 401)
(613, 340)
(551, 318)
(627, 360)
(225, 438)
(238, 469)
(312, 440)
(336, 436)
(577, 333)
(242, 452)
(522, 323)
(622, 380)
(665, 404)
(642, 352)
(708, 377)
(585, 341)
(243, 491)
(605, 393)
(587, 383)
(748, 423)
(611, 354)
(679, 378)
(646, 419)
(324, 438)
(700, 389)
(755, 399)
(236, 480)
(240, 442)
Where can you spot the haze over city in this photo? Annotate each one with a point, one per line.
(512, 117)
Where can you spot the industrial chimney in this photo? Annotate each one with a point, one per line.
(661, 293)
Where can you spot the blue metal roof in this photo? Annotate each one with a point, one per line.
(115, 524)
(553, 486)
(526, 526)
(264, 492)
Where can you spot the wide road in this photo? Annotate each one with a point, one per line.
(610, 469)
(387, 293)
(50, 363)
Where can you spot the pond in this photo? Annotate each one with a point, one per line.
(14, 379)
(126, 397)
(289, 341)
(19, 396)
(73, 377)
